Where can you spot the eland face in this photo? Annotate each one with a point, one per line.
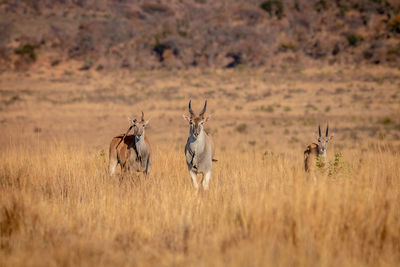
(323, 140)
(139, 127)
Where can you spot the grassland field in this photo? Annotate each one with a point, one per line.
(58, 207)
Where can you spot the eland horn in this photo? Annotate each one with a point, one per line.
(204, 109)
(190, 109)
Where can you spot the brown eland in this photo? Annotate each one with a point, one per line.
(131, 152)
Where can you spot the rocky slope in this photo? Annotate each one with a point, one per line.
(174, 34)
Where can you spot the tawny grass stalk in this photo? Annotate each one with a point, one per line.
(58, 206)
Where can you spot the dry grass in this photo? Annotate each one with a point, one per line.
(58, 207)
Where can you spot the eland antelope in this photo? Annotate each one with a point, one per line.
(199, 149)
(315, 151)
(131, 152)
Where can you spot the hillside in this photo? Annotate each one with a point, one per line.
(183, 34)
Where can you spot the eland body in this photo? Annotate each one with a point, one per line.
(131, 152)
(317, 150)
(199, 149)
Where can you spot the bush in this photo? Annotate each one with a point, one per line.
(84, 44)
(285, 46)
(159, 49)
(394, 24)
(386, 121)
(343, 9)
(87, 64)
(241, 128)
(337, 164)
(354, 39)
(287, 109)
(273, 8)
(28, 50)
(320, 162)
(269, 108)
(154, 8)
(321, 5)
(252, 143)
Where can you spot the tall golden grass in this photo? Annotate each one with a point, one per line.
(59, 207)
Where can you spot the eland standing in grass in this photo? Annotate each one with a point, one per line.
(199, 149)
(315, 153)
(131, 152)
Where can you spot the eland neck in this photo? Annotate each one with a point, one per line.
(140, 144)
(197, 143)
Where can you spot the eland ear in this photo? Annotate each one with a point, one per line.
(331, 137)
(186, 117)
(131, 121)
(146, 122)
(207, 118)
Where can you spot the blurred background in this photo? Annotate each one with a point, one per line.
(181, 34)
(271, 70)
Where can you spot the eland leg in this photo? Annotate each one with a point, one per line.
(206, 180)
(111, 168)
(194, 179)
(148, 164)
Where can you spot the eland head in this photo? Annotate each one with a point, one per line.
(323, 140)
(139, 126)
(196, 121)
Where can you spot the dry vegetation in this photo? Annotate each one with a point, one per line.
(181, 34)
(91, 64)
(59, 207)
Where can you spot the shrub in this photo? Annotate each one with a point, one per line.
(354, 39)
(89, 62)
(241, 128)
(386, 121)
(337, 164)
(343, 9)
(252, 143)
(394, 24)
(13, 99)
(273, 8)
(237, 107)
(320, 162)
(269, 108)
(285, 46)
(159, 49)
(321, 5)
(236, 59)
(28, 50)
(379, 80)
(154, 8)
(84, 43)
